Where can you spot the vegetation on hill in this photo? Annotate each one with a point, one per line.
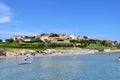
(38, 44)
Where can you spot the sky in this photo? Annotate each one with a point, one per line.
(92, 18)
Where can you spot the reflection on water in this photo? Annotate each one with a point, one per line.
(80, 67)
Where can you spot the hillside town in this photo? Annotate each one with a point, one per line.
(57, 38)
(50, 37)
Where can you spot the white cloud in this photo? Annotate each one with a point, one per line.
(4, 7)
(5, 13)
(4, 19)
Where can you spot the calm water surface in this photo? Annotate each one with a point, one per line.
(80, 67)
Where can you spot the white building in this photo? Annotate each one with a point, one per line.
(71, 37)
(17, 38)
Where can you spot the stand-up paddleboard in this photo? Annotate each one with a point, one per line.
(28, 61)
(25, 63)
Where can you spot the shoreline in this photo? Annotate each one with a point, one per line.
(54, 52)
(40, 55)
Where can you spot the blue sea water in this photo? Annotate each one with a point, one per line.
(79, 67)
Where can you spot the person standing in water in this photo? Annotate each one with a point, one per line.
(26, 58)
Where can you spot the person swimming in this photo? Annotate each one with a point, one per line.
(118, 59)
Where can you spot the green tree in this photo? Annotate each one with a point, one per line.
(85, 37)
(1, 40)
(9, 40)
(84, 43)
(36, 40)
(47, 41)
(118, 45)
(73, 41)
(43, 34)
(29, 36)
(103, 42)
(115, 42)
(54, 35)
(92, 41)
